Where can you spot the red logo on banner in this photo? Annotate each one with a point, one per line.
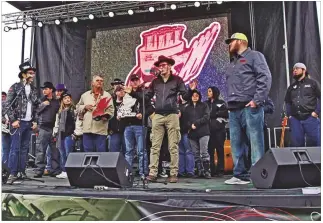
(169, 40)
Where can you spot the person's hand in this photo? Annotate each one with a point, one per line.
(45, 103)
(193, 85)
(15, 124)
(127, 89)
(104, 118)
(34, 126)
(179, 114)
(88, 107)
(139, 116)
(193, 126)
(315, 115)
(118, 118)
(251, 104)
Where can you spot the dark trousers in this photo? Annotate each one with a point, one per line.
(117, 143)
(216, 141)
(310, 127)
(44, 141)
(19, 143)
(6, 142)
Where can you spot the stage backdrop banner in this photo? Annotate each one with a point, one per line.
(197, 46)
(18, 207)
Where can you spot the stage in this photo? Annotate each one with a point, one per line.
(189, 199)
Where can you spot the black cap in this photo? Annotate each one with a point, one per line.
(48, 84)
(134, 77)
(117, 81)
(65, 95)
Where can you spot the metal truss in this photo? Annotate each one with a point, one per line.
(97, 8)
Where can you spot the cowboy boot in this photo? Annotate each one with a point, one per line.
(207, 171)
(199, 169)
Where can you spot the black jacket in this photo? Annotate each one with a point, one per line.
(183, 119)
(199, 115)
(218, 109)
(116, 126)
(166, 94)
(47, 113)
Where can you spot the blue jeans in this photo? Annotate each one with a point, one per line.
(19, 141)
(311, 127)
(133, 136)
(49, 159)
(94, 142)
(6, 141)
(66, 148)
(186, 157)
(246, 124)
(117, 143)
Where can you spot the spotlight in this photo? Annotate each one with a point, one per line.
(219, 2)
(57, 22)
(151, 9)
(197, 4)
(91, 16)
(75, 19)
(173, 6)
(130, 12)
(40, 24)
(6, 28)
(111, 14)
(24, 26)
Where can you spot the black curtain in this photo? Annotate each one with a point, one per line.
(60, 53)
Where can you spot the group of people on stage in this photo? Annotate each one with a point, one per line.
(174, 115)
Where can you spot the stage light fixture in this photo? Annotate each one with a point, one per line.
(57, 22)
(24, 26)
(130, 12)
(219, 2)
(197, 4)
(6, 28)
(151, 9)
(91, 16)
(75, 19)
(173, 6)
(111, 14)
(40, 24)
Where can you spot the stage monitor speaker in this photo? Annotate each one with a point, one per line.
(288, 168)
(89, 169)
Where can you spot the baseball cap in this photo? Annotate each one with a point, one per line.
(300, 65)
(134, 76)
(237, 36)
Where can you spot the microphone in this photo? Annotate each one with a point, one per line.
(155, 71)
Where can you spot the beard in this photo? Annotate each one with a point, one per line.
(297, 76)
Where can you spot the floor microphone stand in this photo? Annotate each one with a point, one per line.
(144, 131)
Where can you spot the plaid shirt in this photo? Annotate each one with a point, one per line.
(18, 109)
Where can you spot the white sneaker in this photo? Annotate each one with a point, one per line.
(63, 175)
(235, 180)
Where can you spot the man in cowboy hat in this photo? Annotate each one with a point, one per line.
(20, 106)
(46, 121)
(248, 84)
(166, 87)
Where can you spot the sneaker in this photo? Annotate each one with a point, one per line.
(190, 175)
(235, 180)
(11, 179)
(63, 175)
(163, 174)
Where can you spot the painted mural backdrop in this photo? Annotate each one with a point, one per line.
(197, 46)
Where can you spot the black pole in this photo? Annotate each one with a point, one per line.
(23, 44)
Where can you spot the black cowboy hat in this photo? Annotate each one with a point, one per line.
(25, 67)
(49, 85)
(164, 59)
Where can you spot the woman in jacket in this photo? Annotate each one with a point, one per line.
(198, 116)
(64, 129)
(218, 119)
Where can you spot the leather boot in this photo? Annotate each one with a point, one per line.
(199, 169)
(207, 171)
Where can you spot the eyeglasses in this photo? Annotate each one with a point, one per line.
(163, 65)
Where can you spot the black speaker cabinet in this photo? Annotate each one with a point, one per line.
(89, 169)
(283, 168)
